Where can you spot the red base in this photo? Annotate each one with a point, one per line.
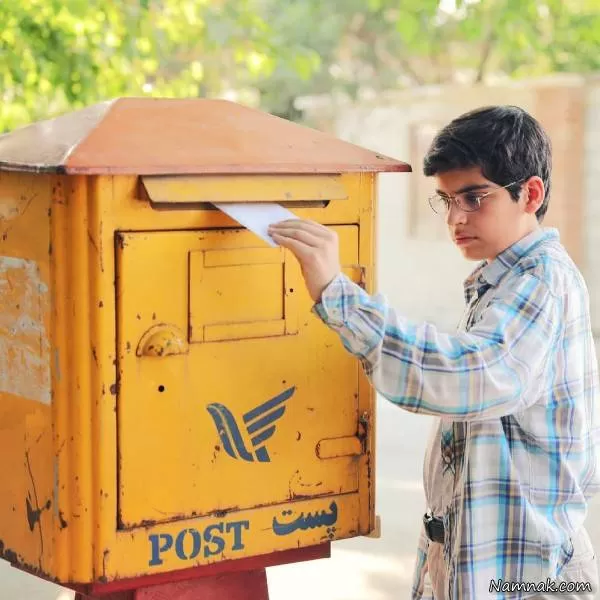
(111, 589)
(248, 585)
(244, 579)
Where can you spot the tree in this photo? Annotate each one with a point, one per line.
(56, 55)
(378, 45)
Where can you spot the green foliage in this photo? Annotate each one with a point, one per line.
(374, 45)
(59, 55)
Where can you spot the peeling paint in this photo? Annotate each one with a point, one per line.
(105, 556)
(12, 207)
(34, 514)
(9, 555)
(24, 344)
(17, 560)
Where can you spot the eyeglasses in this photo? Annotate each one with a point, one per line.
(466, 201)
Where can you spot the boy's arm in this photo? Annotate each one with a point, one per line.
(492, 370)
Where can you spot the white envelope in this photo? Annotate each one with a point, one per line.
(257, 216)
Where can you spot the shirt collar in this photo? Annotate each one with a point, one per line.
(489, 274)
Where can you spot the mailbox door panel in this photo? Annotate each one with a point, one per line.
(231, 394)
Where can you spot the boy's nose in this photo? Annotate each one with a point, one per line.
(456, 216)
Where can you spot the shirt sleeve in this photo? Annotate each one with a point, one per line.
(493, 370)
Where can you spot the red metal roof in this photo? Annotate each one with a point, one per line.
(151, 136)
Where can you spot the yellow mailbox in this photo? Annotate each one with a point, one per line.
(166, 398)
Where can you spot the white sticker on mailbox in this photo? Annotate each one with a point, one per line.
(257, 216)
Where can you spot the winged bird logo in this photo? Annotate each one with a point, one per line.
(259, 423)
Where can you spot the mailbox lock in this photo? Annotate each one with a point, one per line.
(162, 340)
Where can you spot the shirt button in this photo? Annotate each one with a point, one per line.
(447, 459)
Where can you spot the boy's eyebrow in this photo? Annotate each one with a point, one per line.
(467, 188)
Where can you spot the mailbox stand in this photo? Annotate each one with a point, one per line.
(243, 580)
(246, 585)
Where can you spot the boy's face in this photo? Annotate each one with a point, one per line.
(496, 225)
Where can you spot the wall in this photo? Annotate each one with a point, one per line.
(419, 269)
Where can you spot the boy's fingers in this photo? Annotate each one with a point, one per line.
(298, 248)
(294, 223)
(302, 225)
(306, 237)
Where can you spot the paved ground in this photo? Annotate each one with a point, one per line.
(360, 569)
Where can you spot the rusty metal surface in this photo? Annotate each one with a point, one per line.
(149, 136)
(204, 272)
(26, 501)
(135, 477)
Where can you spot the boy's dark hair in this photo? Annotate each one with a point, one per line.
(505, 141)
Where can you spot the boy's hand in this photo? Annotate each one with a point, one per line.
(316, 248)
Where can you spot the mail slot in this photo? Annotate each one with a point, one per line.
(167, 399)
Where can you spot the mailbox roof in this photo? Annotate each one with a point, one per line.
(151, 136)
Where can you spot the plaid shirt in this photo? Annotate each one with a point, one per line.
(519, 387)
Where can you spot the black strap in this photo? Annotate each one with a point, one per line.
(434, 528)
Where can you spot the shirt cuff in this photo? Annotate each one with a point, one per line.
(337, 301)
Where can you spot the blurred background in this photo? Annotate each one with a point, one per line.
(385, 74)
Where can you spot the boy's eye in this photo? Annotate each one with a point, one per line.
(445, 201)
(471, 201)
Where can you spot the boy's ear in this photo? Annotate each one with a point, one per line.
(534, 192)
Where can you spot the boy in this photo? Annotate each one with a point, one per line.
(512, 462)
